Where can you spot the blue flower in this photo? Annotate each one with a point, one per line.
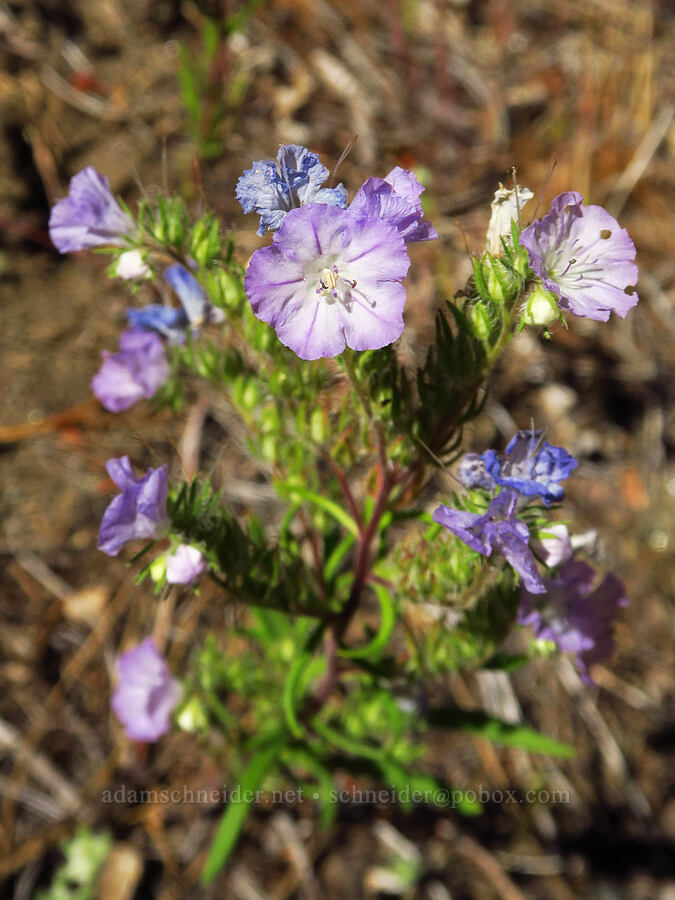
(138, 512)
(89, 216)
(531, 465)
(573, 615)
(165, 320)
(197, 309)
(498, 529)
(272, 188)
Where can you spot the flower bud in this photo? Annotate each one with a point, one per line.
(502, 285)
(541, 307)
(479, 317)
(132, 265)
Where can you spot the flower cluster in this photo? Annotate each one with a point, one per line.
(563, 608)
(91, 217)
(332, 277)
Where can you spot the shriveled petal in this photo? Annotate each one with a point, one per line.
(554, 545)
(506, 206)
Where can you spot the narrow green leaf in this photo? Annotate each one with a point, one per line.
(387, 622)
(510, 735)
(237, 812)
(295, 491)
(347, 744)
(506, 663)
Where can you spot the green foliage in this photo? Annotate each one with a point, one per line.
(85, 854)
(212, 86)
(508, 734)
(251, 569)
(305, 688)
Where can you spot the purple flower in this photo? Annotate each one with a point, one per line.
(395, 199)
(145, 694)
(578, 619)
(165, 320)
(498, 529)
(583, 256)
(89, 216)
(186, 565)
(328, 279)
(197, 309)
(138, 370)
(531, 465)
(138, 512)
(272, 188)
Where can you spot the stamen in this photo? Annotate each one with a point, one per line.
(569, 264)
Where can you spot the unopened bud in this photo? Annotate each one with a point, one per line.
(541, 307)
(480, 321)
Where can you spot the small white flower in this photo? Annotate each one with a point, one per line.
(132, 265)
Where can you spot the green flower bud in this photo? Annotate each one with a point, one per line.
(479, 318)
(157, 569)
(500, 280)
(541, 307)
(192, 717)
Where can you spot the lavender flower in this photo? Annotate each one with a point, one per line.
(138, 512)
(583, 256)
(498, 529)
(395, 199)
(531, 465)
(138, 370)
(328, 279)
(145, 694)
(198, 311)
(578, 619)
(185, 566)
(89, 216)
(272, 188)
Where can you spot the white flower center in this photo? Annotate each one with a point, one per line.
(334, 287)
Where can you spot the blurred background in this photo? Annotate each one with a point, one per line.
(181, 97)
